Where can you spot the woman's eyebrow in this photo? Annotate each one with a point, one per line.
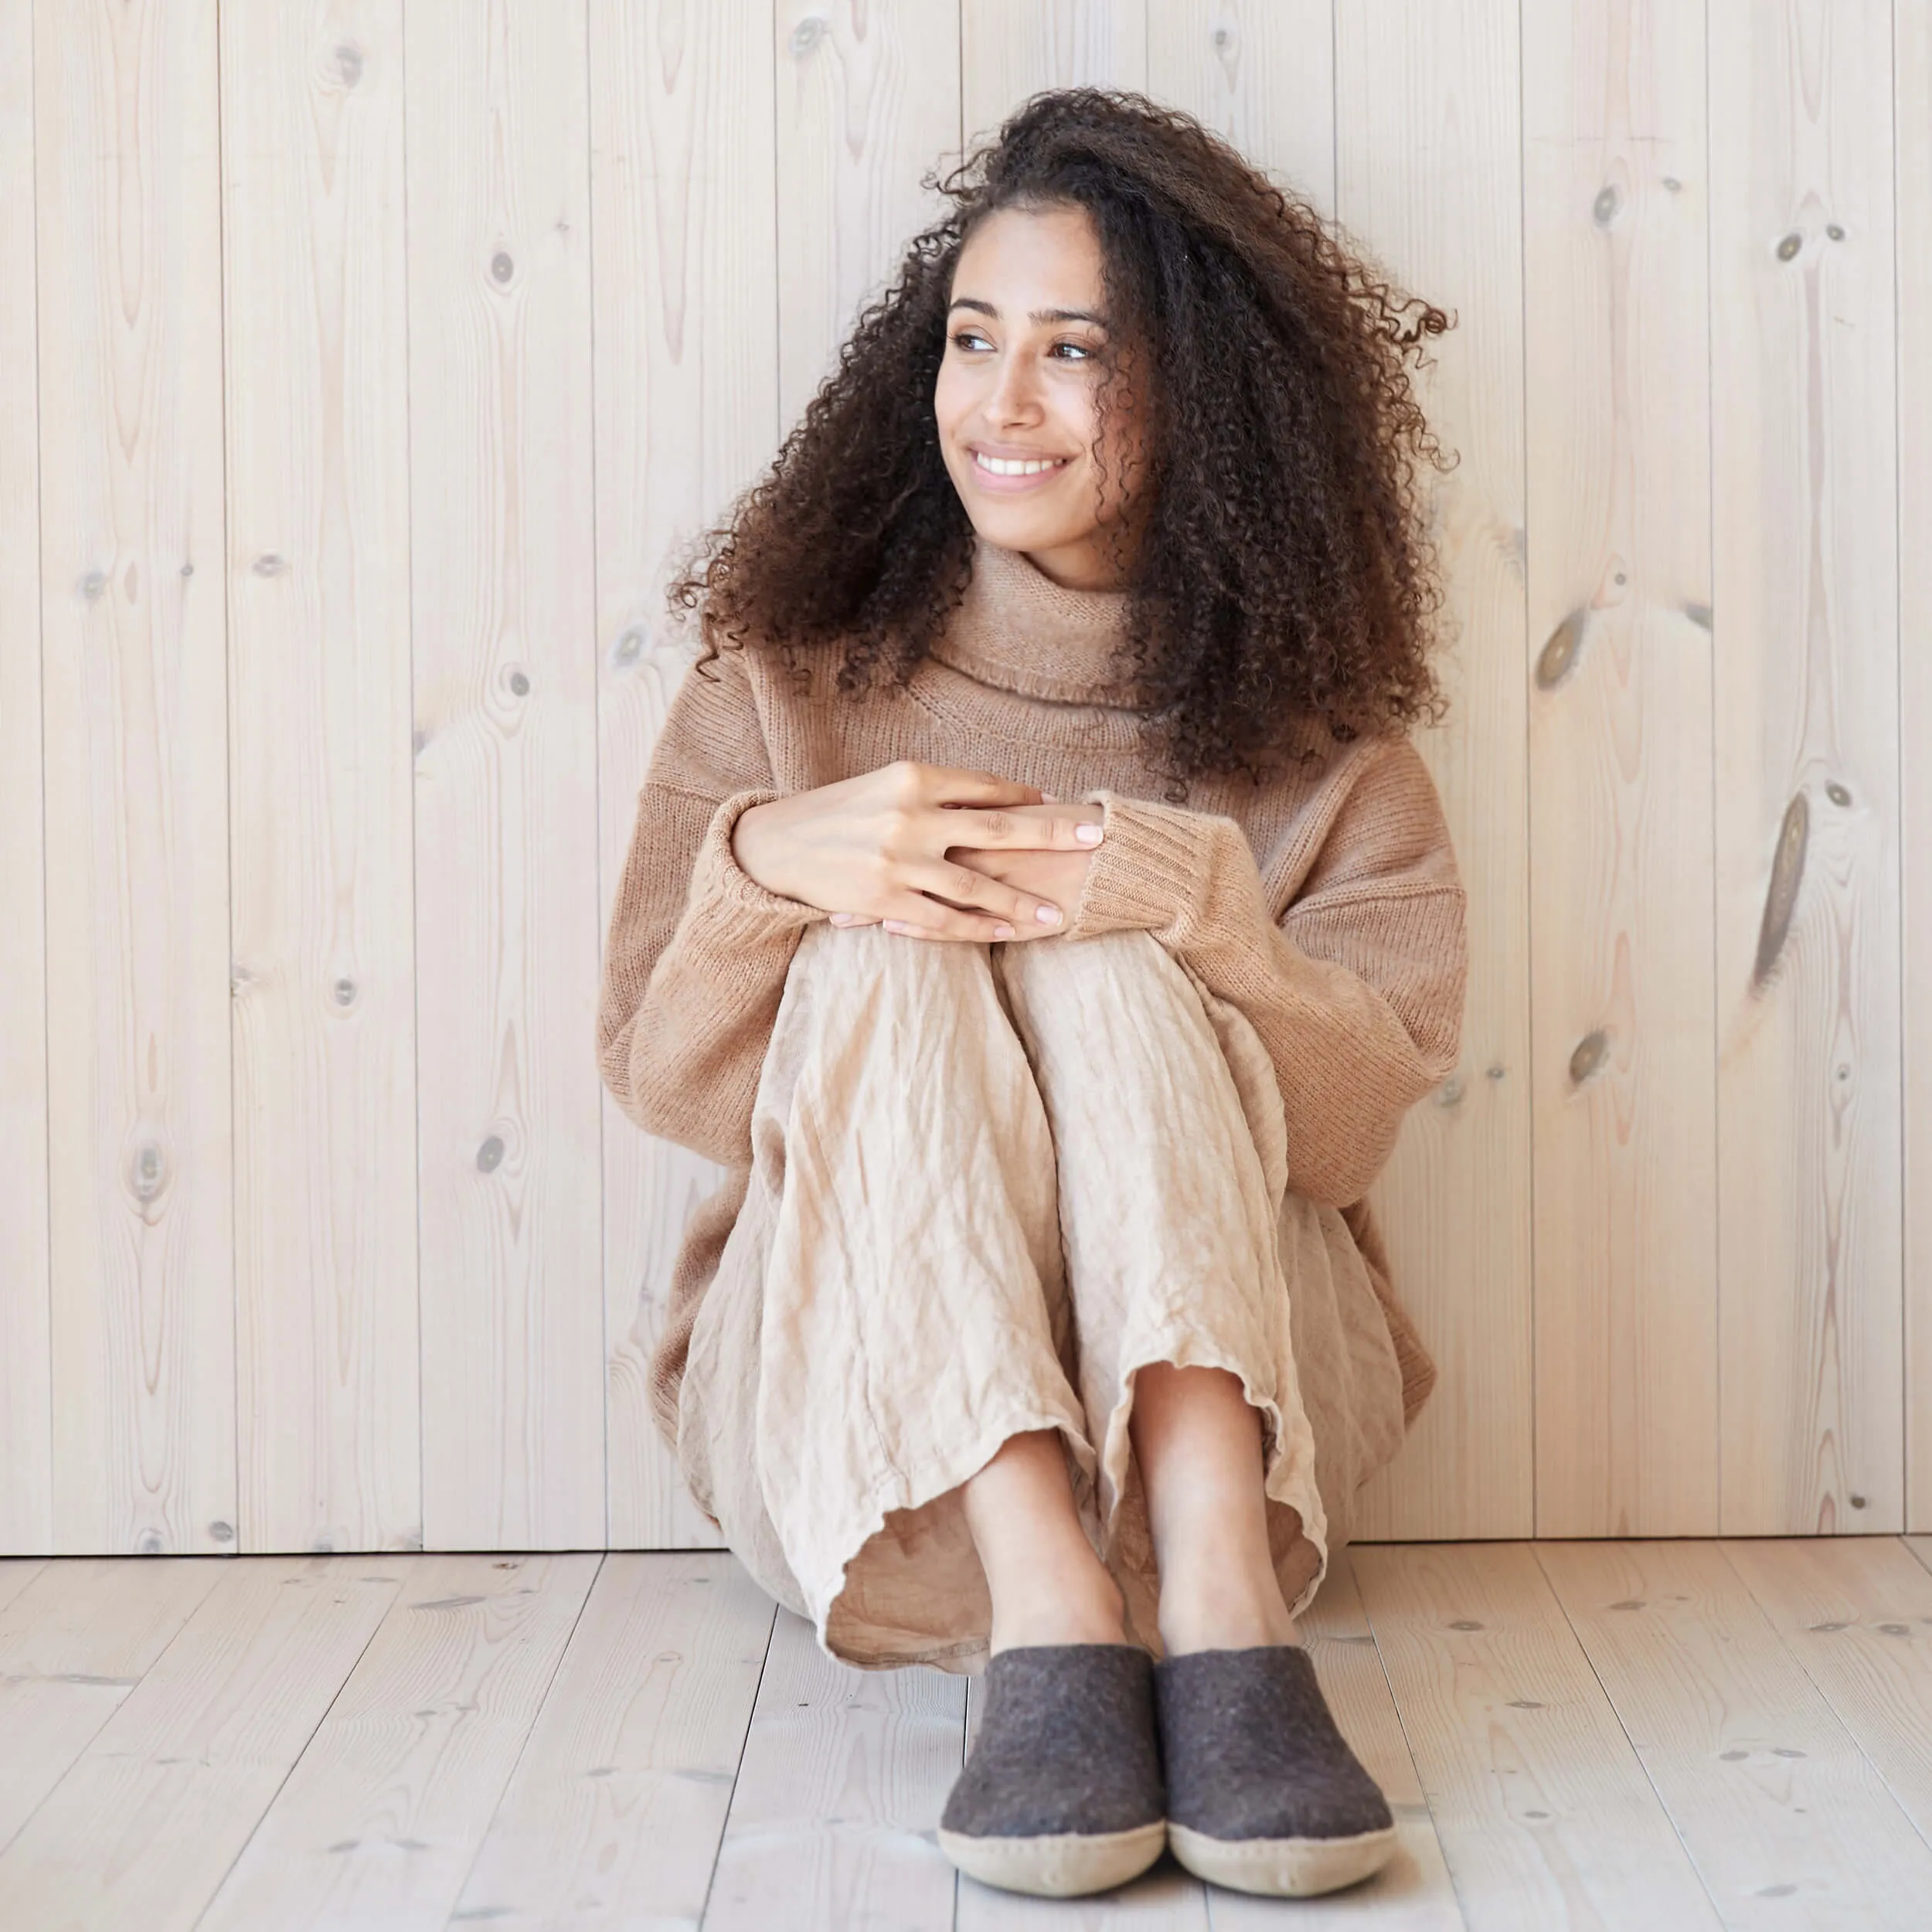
(1036, 315)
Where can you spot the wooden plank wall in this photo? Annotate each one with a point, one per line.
(362, 368)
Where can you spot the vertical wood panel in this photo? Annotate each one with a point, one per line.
(1261, 72)
(324, 1045)
(868, 101)
(504, 620)
(128, 201)
(1012, 48)
(1806, 582)
(1912, 88)
(26, 1473)
(1620, 757)
(1428, 178)
(686, 347)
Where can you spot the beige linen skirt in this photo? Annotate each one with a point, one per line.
(988, 1184)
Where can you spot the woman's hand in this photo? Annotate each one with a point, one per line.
(877, 847)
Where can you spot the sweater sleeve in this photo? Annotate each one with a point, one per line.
(1356, 987)
(697, 952)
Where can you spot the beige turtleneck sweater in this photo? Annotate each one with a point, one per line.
(1326, 904)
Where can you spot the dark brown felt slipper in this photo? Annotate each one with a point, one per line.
(1264, 1793)
(1062, 1794)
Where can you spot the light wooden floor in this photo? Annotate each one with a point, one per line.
(1636, 1735)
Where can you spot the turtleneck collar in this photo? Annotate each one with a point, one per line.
(1018, 630)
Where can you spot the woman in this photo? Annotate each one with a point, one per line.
(1036, 902)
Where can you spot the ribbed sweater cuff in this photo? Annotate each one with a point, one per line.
(732, 903)
(1153, 870)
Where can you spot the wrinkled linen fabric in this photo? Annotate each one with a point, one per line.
(988, 1184)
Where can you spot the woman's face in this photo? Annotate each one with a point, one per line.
(1026, 350)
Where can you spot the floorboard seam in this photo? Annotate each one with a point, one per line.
(1663, 1803)
(1409, 1745)
(751, 1714)
(281, 1783)
(536, 1717)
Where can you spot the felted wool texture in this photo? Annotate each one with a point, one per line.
(989, 1183)
(1325, 903)
(1250, 1750)
(1067, 1744)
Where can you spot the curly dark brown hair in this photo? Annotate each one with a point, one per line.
(1284, 569)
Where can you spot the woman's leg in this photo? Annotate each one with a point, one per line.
(885, 1355)
(1047, 1585)
(1172, 1161)
(1198, 1442)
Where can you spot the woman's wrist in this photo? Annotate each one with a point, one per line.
(748, 847)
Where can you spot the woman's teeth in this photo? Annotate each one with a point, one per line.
(1011, 466)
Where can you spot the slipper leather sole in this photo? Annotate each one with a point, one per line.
(1284, 1868)
(1062, 1864)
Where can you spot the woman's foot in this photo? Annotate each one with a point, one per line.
(1063, 1794)
(1264, 1793)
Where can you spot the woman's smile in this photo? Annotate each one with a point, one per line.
(1008, 474)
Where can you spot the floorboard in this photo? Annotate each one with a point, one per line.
(78, 1635)
(143, 1828)
(1856, 1612)
(1786, 1818)
(1654, 1736)
(1547, 1818)
(833, 1822)
(382, 1820)
(619, 1804)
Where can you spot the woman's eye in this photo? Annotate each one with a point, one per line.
(1080, 348)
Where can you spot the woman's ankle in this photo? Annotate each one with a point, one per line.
(1226, 1614)
(1088, 1612)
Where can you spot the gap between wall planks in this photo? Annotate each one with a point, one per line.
(451, 346)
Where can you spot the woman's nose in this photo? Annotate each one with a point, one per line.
(1015, 396)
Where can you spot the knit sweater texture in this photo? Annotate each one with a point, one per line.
(1325, 904)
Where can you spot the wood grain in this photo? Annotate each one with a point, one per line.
(1012, 48)
(1856, 1612)
(26, 1423)
(140, 1147)
(320, 778)
(1625, 1143)
(686, 412)
(1782, 1814)
(75, 1639)
(1912, 177)
(868, 100)
(619, 1801)
(1428, 182)
(1805, 588)
(139, 1833)
(1260, 72)
(379, 1823)
(1545, 1815)
(503, 604)
(844, 1776)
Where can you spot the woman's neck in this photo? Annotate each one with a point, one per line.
(1018, 630)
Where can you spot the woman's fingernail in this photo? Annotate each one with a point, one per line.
(897, 926)
(1002, 932)
(842, 919)
(1047, 915)
(1087, 835)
